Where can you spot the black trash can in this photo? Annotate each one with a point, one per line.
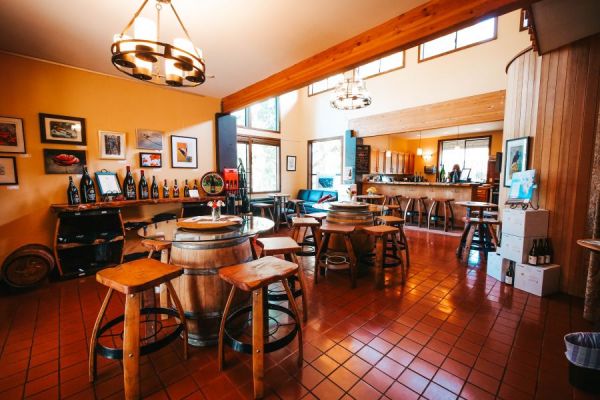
(583, 353)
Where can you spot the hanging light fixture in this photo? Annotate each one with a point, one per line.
(145, 57)
(457, 145)
(419, 149)
(350, 94)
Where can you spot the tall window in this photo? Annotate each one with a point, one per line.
(472, 35)
(262, 116)
(325, 163)
(260, 158)
(470, 153)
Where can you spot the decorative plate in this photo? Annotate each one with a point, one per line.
(212, 183)
(205, 222)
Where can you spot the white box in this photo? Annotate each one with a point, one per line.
(496, 265)
(539, 280)
(516, 248)
(519, 222)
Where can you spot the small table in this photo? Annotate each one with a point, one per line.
(370, 198)
(479, 207)
(592, 297)
(279, 202)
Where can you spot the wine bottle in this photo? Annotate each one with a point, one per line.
(541, 255)
(186, 189)
(442, 174)
(509, 277)
(175, 190)
(165, 190)
(532, 257)
(549, 252)
(72, 193)
(86, 187)
(195, 187)
(143, 186)
(129, 184)
(154, 188)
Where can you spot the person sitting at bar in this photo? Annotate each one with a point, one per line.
(454, 175)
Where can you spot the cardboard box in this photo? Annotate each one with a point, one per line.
(519, 222)
(497, 265)
(516, 248)
(539, 280)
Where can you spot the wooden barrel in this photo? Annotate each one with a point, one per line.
(361, 242)
(202, 293)
(28, 266)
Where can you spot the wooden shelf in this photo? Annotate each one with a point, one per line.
(131, 203)
(64, 246)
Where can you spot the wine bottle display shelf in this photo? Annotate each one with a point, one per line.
(131, 203)
(96, 242)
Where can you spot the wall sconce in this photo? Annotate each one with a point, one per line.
(427, 156)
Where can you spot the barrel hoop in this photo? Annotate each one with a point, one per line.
(220, 244)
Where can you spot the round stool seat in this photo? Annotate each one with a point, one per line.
(390, 220)
(380, 230)
(319, 216)
(262, 205)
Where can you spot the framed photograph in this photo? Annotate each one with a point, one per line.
(149, 139)
(517, 156)
(64, 161)
(12, 139)
(151, 160)
(108, 183)
(184, 152)
(8, 171)
(62, 129)
(290, 164)
(112, 145)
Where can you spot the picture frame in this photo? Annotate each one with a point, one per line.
(62, 129)
(112, 145)
(184, 152)
(150, 160)
(12, 136)
(149, 139)
(290, 163)
(212, 183)
(516, 157)
(108, 183)
(8, 171)
(64, 161)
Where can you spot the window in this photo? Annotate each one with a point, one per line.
(262, 116)
(325, 163)
(325, 84)
(524, 24)
(474, 34)
(467, 153)
(260, 158)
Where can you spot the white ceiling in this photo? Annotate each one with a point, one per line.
(243, 41)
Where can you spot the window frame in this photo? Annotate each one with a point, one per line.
(248, 117)
(522, 20)
(309, 157)
(440, 142)
(250, 140)
(420, 58)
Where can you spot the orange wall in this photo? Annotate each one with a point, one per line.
(107, 103)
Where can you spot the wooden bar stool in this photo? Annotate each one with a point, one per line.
(381, 234)
(308, 224)
(480, 235)
(435, 216)
(392, 205)
(319, 216)
(328, 229)
(287, 247)
(401, 240)
(132, 279)
(254, 277)
(264, 207)
(410, 212)
(297, 206)
(155, 246)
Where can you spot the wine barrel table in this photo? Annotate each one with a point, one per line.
(202, 253)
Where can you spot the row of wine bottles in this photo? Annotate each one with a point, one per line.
(541, 252)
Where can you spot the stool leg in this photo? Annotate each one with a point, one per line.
(322, 248)
(316, 236)
(131, 347)
(94, 339)
(221, 354)
(295, 311)
(433, 203)
(408, 204)
(469, 241)
(493, 234)
(379, 256)
(163, 296)
(446, 222)
(177, 303)
(303, 287)
(252, 243)
(350, 251)
(451, 215)
(258, 342)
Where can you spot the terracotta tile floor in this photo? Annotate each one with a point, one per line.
(449, 332)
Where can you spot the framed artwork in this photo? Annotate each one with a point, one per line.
(108, 183)
(212, 183)
(12, 138)
(64, 161)
(8, 171)
(184, 152)
(62, 129)
(112, 145)
(149, 139)
(151, 160)
(290, 163)
(517, 155)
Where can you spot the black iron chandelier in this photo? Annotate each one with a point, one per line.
(145, 57)
(350, 94)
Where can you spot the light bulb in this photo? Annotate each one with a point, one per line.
(419, 151)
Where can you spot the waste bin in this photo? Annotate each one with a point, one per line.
(583, 353)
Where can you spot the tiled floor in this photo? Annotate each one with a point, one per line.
(450, 331)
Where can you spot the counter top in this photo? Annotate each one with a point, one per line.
(469, 185)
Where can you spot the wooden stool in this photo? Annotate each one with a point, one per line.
(287, 247)
(409, 210)
(132, 279)
(298, 206)
(154, 246)
(483, 228)
(262, 207)
(254, 277)
(308, 224)
(392, 205)
(381, 234)
(319, 216)
(328, 229)
(401, 240)
(434, 215)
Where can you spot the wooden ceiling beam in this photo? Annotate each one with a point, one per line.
(432, 19)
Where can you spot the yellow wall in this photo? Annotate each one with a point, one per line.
(30, 87)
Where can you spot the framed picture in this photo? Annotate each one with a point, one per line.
(8, 171)
(62, 129)
(112, 145)
(290, 164)
(184, 152)
(149, 139)
(12, 139)
(517, 155)
(108, 183)
(212, 183)
(151, 160)
(64, 161)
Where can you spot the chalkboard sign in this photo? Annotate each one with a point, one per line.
(363, 159)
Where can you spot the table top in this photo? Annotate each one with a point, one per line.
(370, 196)
(278, 195)
(326, 206)
(168, 231)
(592, 244)
(476, 204)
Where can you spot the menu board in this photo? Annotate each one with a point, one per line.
(363, 159)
